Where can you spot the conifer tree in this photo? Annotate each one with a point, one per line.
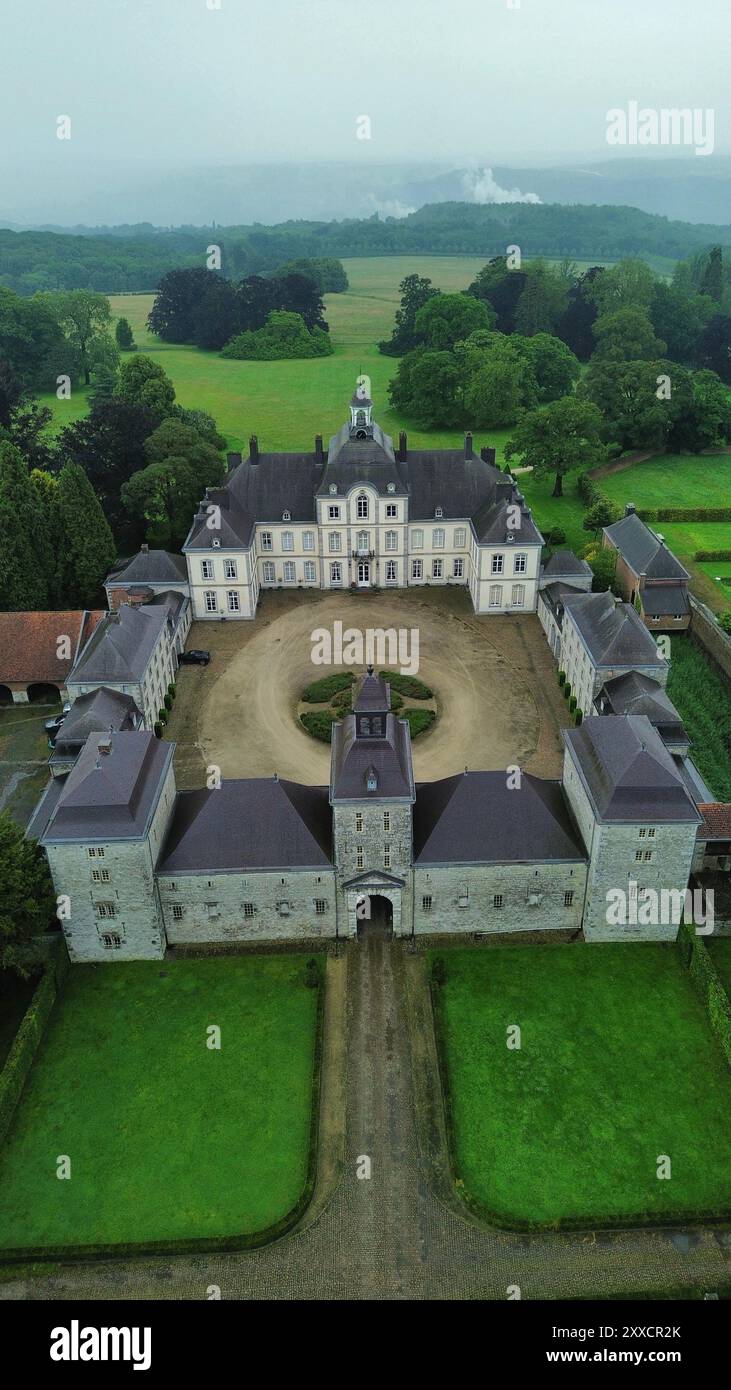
(85, 544)
(22, 579)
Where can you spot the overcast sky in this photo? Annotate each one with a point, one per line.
(257, 80)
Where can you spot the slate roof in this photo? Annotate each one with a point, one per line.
(614, 633)
(462, 483)
(563, 563)
(256, 823)
(633, 693)
(29, 643)
(107, 796)
(642, 550)
(150, 567)
(716, 823)
(475, 818)
(97, 712)
(554, 596)
(371, 692)
(353, 758)
(659, 599)
(122, 644)
(627, 771)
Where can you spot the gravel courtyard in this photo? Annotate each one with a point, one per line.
(494, 679)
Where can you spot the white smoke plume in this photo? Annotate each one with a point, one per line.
(481, 187)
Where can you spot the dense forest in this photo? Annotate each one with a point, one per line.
(136, 258)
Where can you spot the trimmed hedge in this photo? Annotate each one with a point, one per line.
(685, 513)
(419, 720)
(320, 691)
(707, 983)
(712, 555)
(318, 724)
(409, 686)
(25, 1044)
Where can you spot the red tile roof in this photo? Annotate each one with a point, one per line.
(29, 644)
(716, 823)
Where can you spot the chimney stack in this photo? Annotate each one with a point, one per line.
(403, 446)
(468, 445)
(253, 449)
(105, 743)
(487, 454)
(630, 509)
(319, 451)
(232, 462)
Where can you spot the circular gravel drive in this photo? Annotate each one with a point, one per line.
(487, 674)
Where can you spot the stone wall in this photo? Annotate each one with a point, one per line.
(706, 632)
(248, 906)
(533, 897)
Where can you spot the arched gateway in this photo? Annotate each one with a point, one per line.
(375, 917)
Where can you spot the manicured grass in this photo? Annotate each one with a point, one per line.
(701, 694)
(617, 1065)
(720, 952)
(167, 1139)
(673, 480)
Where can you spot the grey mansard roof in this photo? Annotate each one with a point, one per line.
(353, 758)
(614, 633)
(97, 712)
(463, 484)
(644, 552)
(563, 564)
(475, 818)
(122, 644)
(634, 693)
(256, 823)
(150, 567)
(106, 796)
(627, 771)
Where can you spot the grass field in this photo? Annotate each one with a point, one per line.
(167, 1139)
(23, 757)
(617, 1065)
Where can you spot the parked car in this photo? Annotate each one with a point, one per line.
(52, 726)
(194, 658)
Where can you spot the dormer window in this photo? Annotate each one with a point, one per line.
(391, 487)
(333, 489)
(216, 543)
(371, 780)
(286, 516)
(362, 507)
(439, 511)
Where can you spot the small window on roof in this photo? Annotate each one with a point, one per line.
(438, 511)
(333, 488)
(391, 487)
(286, 516)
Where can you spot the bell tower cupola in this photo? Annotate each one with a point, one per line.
(361, 412)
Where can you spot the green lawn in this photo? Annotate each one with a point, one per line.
(720, 952)
(23, 758)
(700, 693)
(167, 1139)
(617, 1066)
(673, 480)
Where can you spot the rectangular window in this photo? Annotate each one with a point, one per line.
(177, 912)
(106, 910)
(266, 540)
(426, 903)
(333, 513)
(460, 537)
(638, 856)
(211, 601)
(642, 834)
(647, 856)
(417, 539)
(336, 574)
(249, 909)
(498, 564)
(289, 571)
(518, 599)
(386, 856)
(234, 605)
(387, 820)
(100, 875)
(359, 857)
(333, 540)
(96, 853)
(359, 820)
(437, 567)
(268, 572)
(458, 569)
(229, 569)
(417, 569)
(496, 596)
(497, 899)
(310, 574)
(288, 540)
(362, 508)
(391, 540)
(650, 835)
(437, 538)
(568, 898)
(206, 569)
(111, 940)
(520, 564)
(320, 906)
(391, 575)
(308, 540)
(391, 509)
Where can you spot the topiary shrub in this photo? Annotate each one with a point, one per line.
(158, 729)
(562, 677)
(163, 716)
(578, 717)
(566, 691)
(572, 704)
(171, 690)
(168, 702)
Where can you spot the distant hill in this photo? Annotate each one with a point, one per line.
(128, 259)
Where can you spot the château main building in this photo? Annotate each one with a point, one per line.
(359, 514)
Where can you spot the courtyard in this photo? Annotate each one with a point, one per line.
(494, 679)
